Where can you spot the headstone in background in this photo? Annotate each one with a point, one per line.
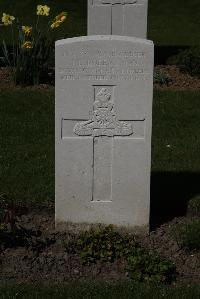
(104, 87)
(118, 17)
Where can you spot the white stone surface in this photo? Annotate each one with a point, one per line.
(104, 87)
(118, 17)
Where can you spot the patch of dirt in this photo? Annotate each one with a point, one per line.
(5, 79)
(179, 80)
(44, 256)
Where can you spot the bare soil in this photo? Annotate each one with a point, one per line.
(179, 80)
(45, 256)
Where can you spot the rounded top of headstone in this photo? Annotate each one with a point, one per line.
(103, 38)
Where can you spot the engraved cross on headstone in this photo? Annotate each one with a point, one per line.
(102, 127)
(118, 14)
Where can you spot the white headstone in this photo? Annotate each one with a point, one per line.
(104, 87)
(118, 17)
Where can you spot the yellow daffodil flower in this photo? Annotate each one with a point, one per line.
(7, 19)
(2, 226)
(59, 20)
(43, 10)
(27, 30)
(27, 45)
(55, 25)
(61, 17)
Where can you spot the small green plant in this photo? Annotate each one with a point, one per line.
(7, 213)
(28, 60)
(193, 208)
(102, 244)
(188, 61)
(145, 266)
(161, 78)
(9, 235)
(188, 235)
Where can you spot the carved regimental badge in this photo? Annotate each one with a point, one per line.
(103, 120)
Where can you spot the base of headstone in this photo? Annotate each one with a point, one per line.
(77, 228)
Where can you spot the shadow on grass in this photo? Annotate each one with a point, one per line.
(170, 193)
(163, 53)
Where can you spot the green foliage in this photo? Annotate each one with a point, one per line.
(29, 57)
(106, 245)
(28, 66)
(7, 214)
(8, 231)
(75, 25)
(188, 61)
(193, 208)
(188, 235)
(2, 227)
(102, 244)
(144, 266)
(9, 234)
(161, 78)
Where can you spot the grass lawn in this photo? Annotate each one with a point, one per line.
(171, 22)
(101, 290)
(27, 140)
(174, 22)
(27, 145)
(176, 131)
